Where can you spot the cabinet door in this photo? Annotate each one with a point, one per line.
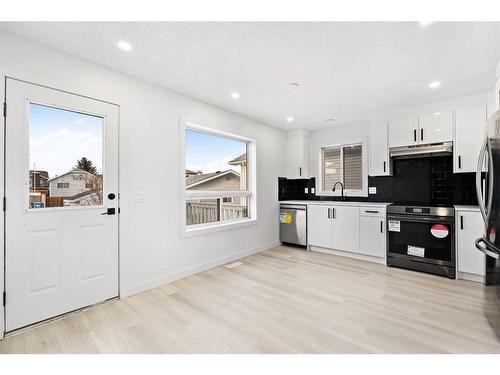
(319, 226)
(297, 152)
(469, 134)
(346, 228)
(294, 157)
(372, 236)
(379, 150)
(435, 127)
(470, 227)
(403, 132)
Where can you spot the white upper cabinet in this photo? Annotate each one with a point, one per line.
(403, 132)
(435, 127)
(468, 138)
(379, 150)
(424, 129)
(298, 151)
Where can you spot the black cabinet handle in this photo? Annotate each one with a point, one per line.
(384, 166)
(459, 162)
(421, 134)
(381, 227)
(371, 212)
(461, 222)
(334, 213)
(415, 135)
(300, 171)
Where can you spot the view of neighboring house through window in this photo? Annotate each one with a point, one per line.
(65, 158)
(216, 176)
(342, 163)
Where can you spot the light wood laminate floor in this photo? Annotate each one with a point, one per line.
(283, 300)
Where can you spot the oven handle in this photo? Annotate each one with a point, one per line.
(484, 248)
(423, 219)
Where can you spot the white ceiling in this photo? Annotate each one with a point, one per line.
(346, 71)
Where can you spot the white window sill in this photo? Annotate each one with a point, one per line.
(199, 229)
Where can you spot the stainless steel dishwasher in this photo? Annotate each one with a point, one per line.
(293, 224)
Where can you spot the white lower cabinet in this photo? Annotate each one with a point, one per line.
(319, 225)
(469, 227)
(348, 228)
(372, 237)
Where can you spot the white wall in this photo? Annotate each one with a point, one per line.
(151, 250)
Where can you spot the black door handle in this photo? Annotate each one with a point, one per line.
(109, 211)
(459, 162)
(415, 135)
(381, 227)
(461, 222)
(384, 166)
(300, 171)
(421, 134)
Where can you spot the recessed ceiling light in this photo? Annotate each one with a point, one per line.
(437, 113)
(330, 120)
(289, 119)
(235, 95)
(434, 84)
(294, 84)
(124, 46)
(425, 23)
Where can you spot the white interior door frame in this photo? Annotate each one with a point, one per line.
(3, 78)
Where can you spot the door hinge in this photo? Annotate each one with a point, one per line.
(4, 202)
(4, 109)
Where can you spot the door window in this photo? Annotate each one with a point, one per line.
(65, 158)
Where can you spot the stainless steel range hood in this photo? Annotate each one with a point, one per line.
(421, 151)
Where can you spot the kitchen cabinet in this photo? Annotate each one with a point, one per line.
(435, 127)
(345, 228)
(469, 227)
(380, 163)
(372, 236)
(403, 132)
(333, 227)
(469, 134)
(319, 225)
(298, 153)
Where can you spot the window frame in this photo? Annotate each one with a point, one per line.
(250, 193)
(363, 192)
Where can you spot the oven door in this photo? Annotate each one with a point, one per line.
(422, 238)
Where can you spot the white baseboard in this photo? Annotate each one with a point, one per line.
(158, 281)
(347, 254)
(470, 277)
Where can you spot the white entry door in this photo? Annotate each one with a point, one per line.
(61, 191)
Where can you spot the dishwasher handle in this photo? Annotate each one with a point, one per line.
(292, 207)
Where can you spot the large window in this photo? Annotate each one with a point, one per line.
(218, 178)
(342, 163)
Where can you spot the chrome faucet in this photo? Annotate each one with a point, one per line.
(342, 189)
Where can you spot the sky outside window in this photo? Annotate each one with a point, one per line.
(210, 153)
(58, 138)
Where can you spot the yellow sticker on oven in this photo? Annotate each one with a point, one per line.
(285, 218)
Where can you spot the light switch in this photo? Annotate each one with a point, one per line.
(372, 190)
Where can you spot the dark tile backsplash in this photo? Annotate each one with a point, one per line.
(426, 181)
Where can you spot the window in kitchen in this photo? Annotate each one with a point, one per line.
(219, 179)
(343, 163)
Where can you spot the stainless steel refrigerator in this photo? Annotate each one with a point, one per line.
(488, 195)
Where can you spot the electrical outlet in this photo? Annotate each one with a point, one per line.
(372, 190)
(306, 190)
(313, 190)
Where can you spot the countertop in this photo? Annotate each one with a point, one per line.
(461, 207)
(337, 203)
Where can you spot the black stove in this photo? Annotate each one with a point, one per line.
(422, 238)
